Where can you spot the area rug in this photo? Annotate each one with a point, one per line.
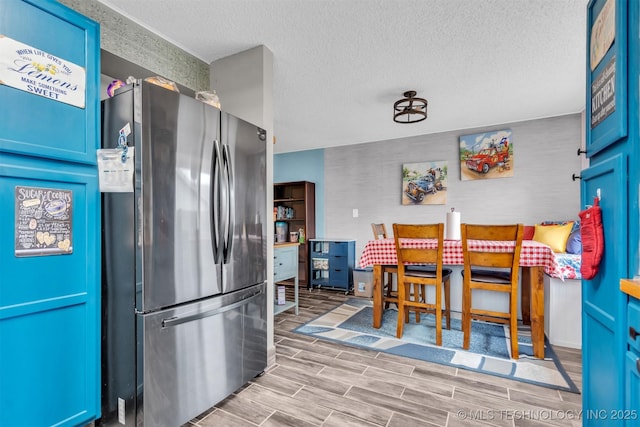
(351, 324)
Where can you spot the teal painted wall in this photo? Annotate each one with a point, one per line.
(304, 166)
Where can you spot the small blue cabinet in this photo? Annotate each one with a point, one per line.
(632, 406)
(331, 264)
(632, 358)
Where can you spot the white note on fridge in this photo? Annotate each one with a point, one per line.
(115, 170)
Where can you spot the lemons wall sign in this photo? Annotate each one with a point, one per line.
(32, 70)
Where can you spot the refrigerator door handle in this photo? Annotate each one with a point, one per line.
(177, 320)
(230, 214)
(216, 238)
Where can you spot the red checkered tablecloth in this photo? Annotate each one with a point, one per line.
(383, 252)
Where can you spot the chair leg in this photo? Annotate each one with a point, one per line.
(418, 295)
(466, 316)
(401, 310)
(408, 293)
(438, 290)
(513, 326)
(447, 301)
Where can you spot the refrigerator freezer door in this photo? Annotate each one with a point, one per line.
(197, 354)
(178, 138)
(244, 151)
(171, 249)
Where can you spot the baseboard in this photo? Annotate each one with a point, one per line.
(271, 357)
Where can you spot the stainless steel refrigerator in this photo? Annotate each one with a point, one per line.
(184, 258)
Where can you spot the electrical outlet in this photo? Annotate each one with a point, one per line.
(355, 213)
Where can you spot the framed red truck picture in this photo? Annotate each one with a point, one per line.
(486, 155)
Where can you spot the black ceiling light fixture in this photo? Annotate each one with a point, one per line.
(410, 109)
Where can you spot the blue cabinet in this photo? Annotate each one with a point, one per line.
(610, 375)
(632, 362)
(632, 401)
(50, 228)
(632, 359)
(331, 264)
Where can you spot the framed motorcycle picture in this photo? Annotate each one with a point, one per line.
(424, 183)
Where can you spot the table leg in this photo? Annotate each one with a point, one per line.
(377, 296)
(537, 311)
(296, 294)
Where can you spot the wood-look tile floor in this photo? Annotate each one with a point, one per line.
(318, 383)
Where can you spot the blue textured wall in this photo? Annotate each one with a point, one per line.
(303, 166)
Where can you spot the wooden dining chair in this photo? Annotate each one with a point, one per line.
(379, 231)
(388, 294)
(419, 268)
(491, 271)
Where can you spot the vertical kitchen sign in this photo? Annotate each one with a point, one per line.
(43, 221)
(603, 94)
(606, 74)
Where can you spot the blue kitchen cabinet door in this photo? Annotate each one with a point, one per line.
(632, 365)
(631, 411)
(50, 282)
(39, 125)
(603, 305)
(606, 88)
(49, 303)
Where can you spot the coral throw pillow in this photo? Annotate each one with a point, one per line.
(555, 236)
(528, 232)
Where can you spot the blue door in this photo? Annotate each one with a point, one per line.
(50, 216)
(603, 305)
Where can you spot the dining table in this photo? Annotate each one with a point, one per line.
(535, 260)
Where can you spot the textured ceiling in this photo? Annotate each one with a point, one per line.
(339, 65)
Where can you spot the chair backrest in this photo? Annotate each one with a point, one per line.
(482, 256)
(379, 231)
(428, 253)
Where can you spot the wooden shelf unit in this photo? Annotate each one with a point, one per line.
(299, 197)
